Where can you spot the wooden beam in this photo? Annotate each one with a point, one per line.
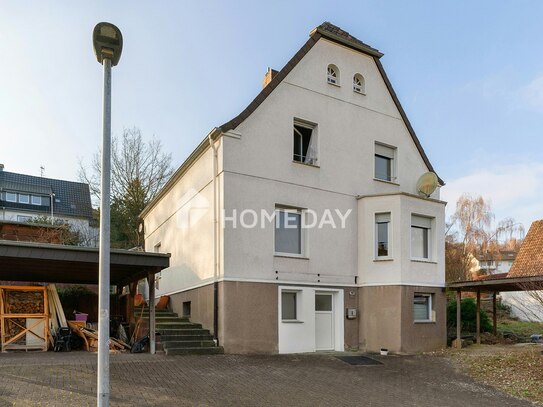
(132, 287)
(478, 318)
(459, 319)
(494, 315)
(152, 319)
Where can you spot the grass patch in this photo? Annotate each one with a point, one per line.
(522, 329)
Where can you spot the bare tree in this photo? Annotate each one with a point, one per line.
(474, 236)
(139, 170)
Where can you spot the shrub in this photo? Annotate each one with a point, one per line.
(468, 314)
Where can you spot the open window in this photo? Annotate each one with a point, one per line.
(333, 75)
(359, 85)
(305, 143)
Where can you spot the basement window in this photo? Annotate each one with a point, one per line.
(305, 143)
(422, 308)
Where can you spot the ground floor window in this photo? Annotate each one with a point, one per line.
(422, 308)
(288, 305)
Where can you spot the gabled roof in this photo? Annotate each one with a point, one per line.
(325, 30)
(71, 198)
(336, 34)
(529, 261)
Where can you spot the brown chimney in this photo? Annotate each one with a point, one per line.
(270, 74)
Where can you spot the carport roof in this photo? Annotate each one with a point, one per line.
(41, 262)
(499, 284)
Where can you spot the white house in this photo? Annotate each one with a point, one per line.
(297, 225)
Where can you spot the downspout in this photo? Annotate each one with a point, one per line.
(52, 200)
(215, 239)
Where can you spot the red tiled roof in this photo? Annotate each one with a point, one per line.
(529, 261)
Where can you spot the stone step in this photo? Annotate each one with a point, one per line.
(161, 319)
(188, 344)
(177, 325)
(158, 314)
(181, 337)
(194, 351)
(185, 331)
(157, 311)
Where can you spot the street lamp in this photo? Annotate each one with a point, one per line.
(107, 41)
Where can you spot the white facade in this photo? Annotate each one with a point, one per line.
(255, 171)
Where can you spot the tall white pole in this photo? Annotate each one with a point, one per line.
(103, 279)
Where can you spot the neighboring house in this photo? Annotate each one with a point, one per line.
(496, 263)
(528, 262)
(326, 134)
(24, 198)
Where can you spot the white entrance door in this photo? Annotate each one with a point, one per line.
(324, 322)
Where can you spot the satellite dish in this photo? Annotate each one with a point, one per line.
(427, 184)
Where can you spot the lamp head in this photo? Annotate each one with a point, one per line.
(107, 41)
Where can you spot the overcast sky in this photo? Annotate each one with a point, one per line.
(469, 75)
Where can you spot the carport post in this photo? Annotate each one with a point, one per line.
(458, 318)
(478, 317)
(152, 318)
(494, 317)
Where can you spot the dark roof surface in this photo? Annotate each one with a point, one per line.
(43, 262)
(71, 198)
(529, 261)
(330, 30)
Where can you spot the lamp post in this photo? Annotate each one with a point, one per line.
(107, 41)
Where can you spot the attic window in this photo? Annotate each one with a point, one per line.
(359, 85)
(333, 75)
(305, 143)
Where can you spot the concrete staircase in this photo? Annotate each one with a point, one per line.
(179, 336)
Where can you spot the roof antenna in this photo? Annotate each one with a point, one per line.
(42, 170)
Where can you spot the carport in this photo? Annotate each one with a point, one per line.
(50, 263)
(493, 285)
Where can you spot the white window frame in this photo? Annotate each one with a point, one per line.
(388, 152)
(314, 137)
(359, 88)
(297, 301)
(14, 199)
(389, 235)
(430, 234)
(33, 197)
(431, 317)
(24, 201)
(23, 218)
(303, 251)
(330, 78)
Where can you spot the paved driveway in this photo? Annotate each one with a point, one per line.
(68, 379)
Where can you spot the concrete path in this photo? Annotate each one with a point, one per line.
(69, 379)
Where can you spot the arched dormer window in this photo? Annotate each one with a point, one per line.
(333, 75)
(359, 85)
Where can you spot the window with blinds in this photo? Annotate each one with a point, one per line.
(384, 162)
(420, 237)
(422, 308)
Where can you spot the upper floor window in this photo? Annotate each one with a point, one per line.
(382, 234)
(421, 228)
(385, 162)
(333, 74)
(36, 200)
(359, 85)
(305, 143)
(288, 232)
(11, 197)
(24, 198)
